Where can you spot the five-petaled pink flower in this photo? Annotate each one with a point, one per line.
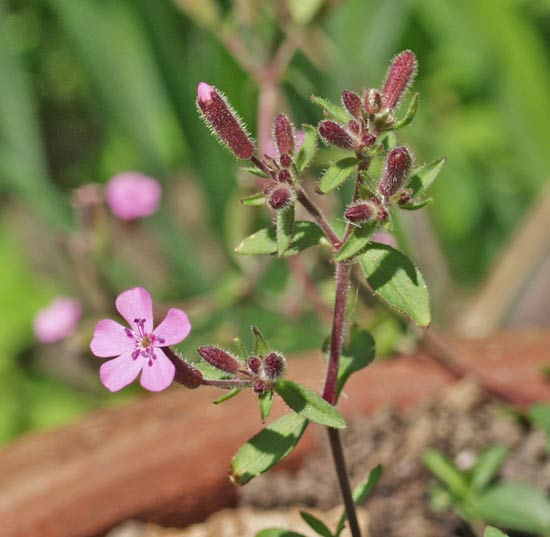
(132, 195)
(138, 348)
(58, 320)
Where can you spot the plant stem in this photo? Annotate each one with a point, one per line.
(229, 383)
(319, 217)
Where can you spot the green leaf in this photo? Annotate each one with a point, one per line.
(359, 354)
(278, 532)
(315, 524)
(254, 200)
(409, 116)
(356, 242)
(422, 178)
(415, 205)
(285, 226)
(444, 469)
(337, 173)
(539, 414)
(303, 11)
(360, 494)
(486, 467)
(308, 404)
(308, 149)
(493, 532)
(516, 506)
(259, 347)
(226, 396)
(254, 171)
(265, 401)
(264, 450)
(240, 349)
(395, 279)
(264, 241)
(334, 111)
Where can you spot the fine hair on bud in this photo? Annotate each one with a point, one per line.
(372, 101)
(254, 364)
(219, 358)
(398, 165)
(334, 134)
(274, 365)
(283, 133)
(280, 197)
(352, 103)
(360, 212)
(400, 76)
(224, 121)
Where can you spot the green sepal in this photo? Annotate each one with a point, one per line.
(422, 178)
(285, 226)
(254, 200)
(337, 174)
(265, 400)
(309, 404)
(409, 116)
(259, 347)
(356, 242)
(333, 111)
(267, 448)
(254, 171)
(308, 148)
(415, 205)
(226, 396)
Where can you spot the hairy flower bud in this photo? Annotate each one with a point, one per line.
(398, 165)
(400, 75)
(186, 374)
(224, 121)
(352, 102)
(274, 365)
(335, 134)
(372, 101)
(280, 197)
(368, 139)
(360, 212)
(283, 134)
(219, 358)
(285, 160)
(254, 364)
(284, 176)
(354, 127)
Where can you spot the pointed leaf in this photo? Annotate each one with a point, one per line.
(409, 116)
(358, 354)
(240, 348)
(308, 149)
(265, 401)
(445, 470)
(264, 450)
(337, 173)
(226, 396)
(395, 279)
(285, 226)
(278, 532)
(259, 347)
(486, 467)
(254, 200)
(356, 242)
(422, 178)
(315, 524)
(309, 404)
(333, 111)
(254, 171)
(415, 205)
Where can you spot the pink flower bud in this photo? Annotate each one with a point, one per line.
(400, 75)
(274, 365)
(58, 320)
(224, 121)
(335, 134)
(354, 127)
(284, 176)
(283, 134)
(280, 197)
(360, 212)
(398, 165)
(352, 102)
(186, 374)
(405, 197)
(254, 364)
(286, 161)
(368, 139)
(219, 358)
(132, 195)
(372, 102)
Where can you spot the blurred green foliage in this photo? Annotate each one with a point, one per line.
(90, 88)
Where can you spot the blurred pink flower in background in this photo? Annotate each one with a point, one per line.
(58, 320)
(138, 349)
(385, 237)
(132, 195)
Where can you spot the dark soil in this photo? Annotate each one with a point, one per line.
(461, 423)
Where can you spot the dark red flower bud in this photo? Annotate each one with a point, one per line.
(286, 161)
(372, 101)
(354, 127)
(382, 214)
(224, 121)
(186, 374)
(254, 364)
(360, 212)
(219, 358)
(274, 365)
(336, 135)
(368, 139)
(398, 165)
(352, 102)
(280, 197)
(400, 76)
(260, 386)
(405, 197)
(283, 134)
(284, 176)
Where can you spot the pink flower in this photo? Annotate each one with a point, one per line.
(132, 195)
(138, 349)
(58, 320)
(385, 237)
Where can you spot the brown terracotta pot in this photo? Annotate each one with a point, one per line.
(164, 458)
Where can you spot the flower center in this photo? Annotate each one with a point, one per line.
(144, 343)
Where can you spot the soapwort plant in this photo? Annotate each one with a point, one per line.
(361, 131)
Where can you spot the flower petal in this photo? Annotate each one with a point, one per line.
(119, 372)
(174, 328)
(110, 339)
(136, 303)
(160, 375)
